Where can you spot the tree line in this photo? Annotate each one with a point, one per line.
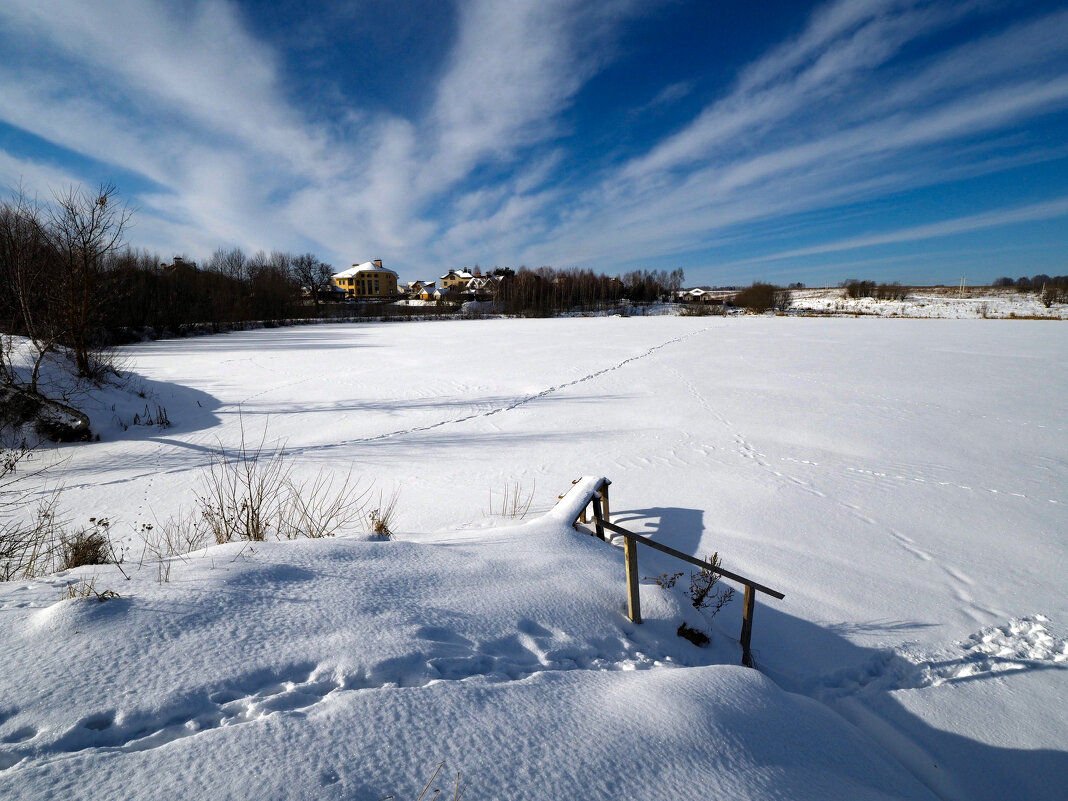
(545, 291)
(68, 279)
(1050, 289)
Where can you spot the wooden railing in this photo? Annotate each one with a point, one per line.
(590, 491)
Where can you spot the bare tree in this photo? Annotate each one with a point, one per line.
(25, 262)
(312, 275)
(83, 229)
(232, 263)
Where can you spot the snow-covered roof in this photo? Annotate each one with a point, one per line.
(458, 274)
(366, 267)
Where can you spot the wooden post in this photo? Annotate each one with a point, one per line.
(598, 517)
(630, 555)
(747, 626)
(604, 502)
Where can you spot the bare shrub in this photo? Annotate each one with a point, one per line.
(665, 580)
(1053, 294)
(86, 547)
(322, 507)
(702, 585)
(243, 496)
(250, 494)
(761, 297)
(178, 535)
(29, 548)
(698, 309)
(29, 542)
(696, 636)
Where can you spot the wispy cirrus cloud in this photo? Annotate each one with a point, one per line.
(830, 118)
(1052, 209)
(849, 110)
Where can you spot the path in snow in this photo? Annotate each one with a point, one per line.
(515, 404)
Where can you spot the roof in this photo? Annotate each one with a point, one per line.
(458, 274)
(366, 267)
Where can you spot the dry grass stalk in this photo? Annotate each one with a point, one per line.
(515, 501)
(379, 521)
(87, 589)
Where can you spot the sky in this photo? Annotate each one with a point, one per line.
(916, 141)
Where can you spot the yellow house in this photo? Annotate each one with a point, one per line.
(456, 279)
(366, 281)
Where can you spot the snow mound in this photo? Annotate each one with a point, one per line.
(349, 668)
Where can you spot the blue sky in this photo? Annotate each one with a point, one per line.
(884, 139)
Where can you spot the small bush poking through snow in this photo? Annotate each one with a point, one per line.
(666, 580)
(701, 585)
(696, 636)
(86, 547)
(702, 596)
(28, 549)
(87, 589)
(381, 519)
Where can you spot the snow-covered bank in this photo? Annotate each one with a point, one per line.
(903, 482)
(342, 668)
(933, 302)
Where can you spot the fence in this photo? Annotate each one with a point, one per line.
(593, 491)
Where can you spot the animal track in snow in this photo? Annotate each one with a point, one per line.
(1021, 644)
(532, 649)
(895, 476)
(515, 404)
(138, 732)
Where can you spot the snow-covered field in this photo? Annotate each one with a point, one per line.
(903, 482)
(933, 302)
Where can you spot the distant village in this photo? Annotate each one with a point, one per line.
(371, 281)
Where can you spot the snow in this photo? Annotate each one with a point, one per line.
(933, 302)
(901, 481)
(365, 267)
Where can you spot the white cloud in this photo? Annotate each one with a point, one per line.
(795, 135)
(186, 97)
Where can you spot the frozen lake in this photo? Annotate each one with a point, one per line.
(903, 482)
